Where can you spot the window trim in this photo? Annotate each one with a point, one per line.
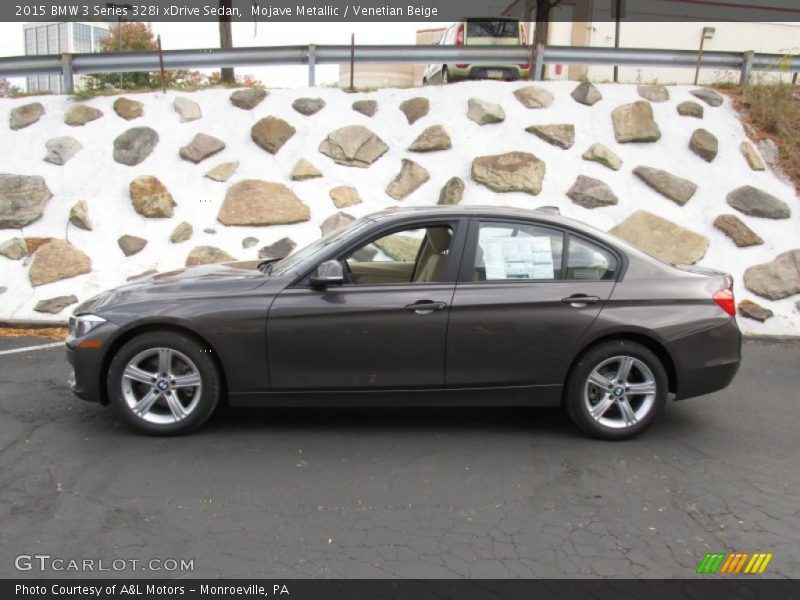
(467, 269)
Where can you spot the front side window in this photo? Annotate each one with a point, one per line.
(586, 260)
(517, 252)
(410, 256)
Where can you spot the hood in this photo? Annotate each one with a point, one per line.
(205, 280)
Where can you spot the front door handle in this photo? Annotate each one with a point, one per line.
(580, 300)
(425, 307)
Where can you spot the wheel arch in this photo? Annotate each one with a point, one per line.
(649, 342)
(146, 327)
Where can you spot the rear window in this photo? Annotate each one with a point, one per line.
(496, 29)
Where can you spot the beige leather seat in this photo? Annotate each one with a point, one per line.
(434, 255)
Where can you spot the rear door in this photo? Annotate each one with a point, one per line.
(526, 294)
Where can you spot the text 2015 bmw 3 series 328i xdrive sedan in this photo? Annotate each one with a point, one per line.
(420, 306)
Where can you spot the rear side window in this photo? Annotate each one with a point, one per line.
(495, 29)
(517, 252)
(588, 261)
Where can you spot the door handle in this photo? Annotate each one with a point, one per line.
(580, 300)
(425, 307)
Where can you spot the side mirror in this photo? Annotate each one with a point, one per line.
(328, 273)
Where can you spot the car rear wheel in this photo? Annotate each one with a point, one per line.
(164, 383)
(616, 389)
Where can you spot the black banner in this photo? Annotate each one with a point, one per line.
(396, 10)
(746, 587)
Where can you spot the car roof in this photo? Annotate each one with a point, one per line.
(543, 213)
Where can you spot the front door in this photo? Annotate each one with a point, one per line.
(526, 295)
(385, 327)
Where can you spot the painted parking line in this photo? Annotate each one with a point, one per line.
(31, 348)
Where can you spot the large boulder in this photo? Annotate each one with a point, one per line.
(587, 94)
(79, 216)
(135, 145)
(777, 279)
(751, 155)
(635, 123)
(61, 149)
(734, 228)
(675, 188)
(433, 139)
(344, 196)
(56, 260)
(710, 97)
(249, 98)
(256, 202)
(22, 200)
(353, 146)
(366, 107)
(510, 172)
(188, 110)
(27, 114)
(409, 179)
(201, 147)
(223, 171)
(182, 232)
(533, 96)
(653, 93)
(415, 108)
(14, 249)
(308, 106)
(484, 113)
(336, 221)
(131, 244)
(690, 109)
(303, 170)
(280, 249)
(271, 133)
(150, 198)
(128, 109)
(662, 238)
(758, 203)
(81, 114)
(603, 155)
(207, 255)
(591, 193)
(561, 135)
(452, 192)
(55, 305)
(704, 144)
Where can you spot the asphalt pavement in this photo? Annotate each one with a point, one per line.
(420, 493)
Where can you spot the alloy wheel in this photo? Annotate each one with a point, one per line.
(161, 385)
(620, 392)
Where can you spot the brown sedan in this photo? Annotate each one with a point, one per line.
(421, 306)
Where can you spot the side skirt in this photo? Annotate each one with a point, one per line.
(531, 395)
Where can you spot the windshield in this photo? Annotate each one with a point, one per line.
(495, 29)
(310, 253)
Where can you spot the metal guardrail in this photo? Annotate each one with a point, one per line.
(70, 64)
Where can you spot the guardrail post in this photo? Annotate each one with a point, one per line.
(67, 73)
(312, 65)
(539, 63)
(747, 67)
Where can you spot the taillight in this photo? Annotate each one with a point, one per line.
(724, 299)
(525, 66)
(460, 35)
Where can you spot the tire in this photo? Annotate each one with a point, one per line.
(158, 405)
(605, 403)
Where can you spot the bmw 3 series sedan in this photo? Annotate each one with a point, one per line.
(416, 307)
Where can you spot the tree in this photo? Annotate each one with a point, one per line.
(226, 37)
(6, 89)
(128, 37)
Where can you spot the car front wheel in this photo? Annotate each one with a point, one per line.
(616, 389)
(164, 383)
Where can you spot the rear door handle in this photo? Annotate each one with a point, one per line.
(580, 300)
(425, 307)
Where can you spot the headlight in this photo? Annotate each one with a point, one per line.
(81, 325)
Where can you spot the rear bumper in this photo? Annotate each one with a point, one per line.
(508, 72)
(707, 361)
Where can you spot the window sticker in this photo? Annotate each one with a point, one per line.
(518, 258)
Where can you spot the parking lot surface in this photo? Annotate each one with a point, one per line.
(400, 493)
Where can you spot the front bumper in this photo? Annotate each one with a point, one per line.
(87, 379)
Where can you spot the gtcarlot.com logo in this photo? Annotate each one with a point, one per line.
(723, 563)
(47, 562)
